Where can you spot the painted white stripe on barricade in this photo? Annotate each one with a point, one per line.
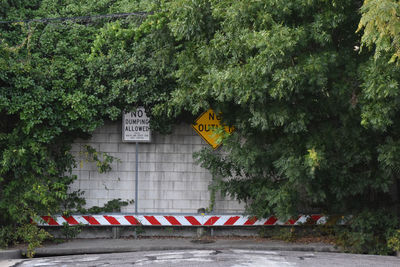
(60, 220)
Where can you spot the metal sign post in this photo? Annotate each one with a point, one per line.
(137, 178)
(136, 128)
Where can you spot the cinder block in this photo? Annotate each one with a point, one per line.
(108, 147)
(181, 204)
(143, 166)
(164, 148)
(151, 210)
(91, 185)
(96, 193)
(95, 175)
(122, 194)
(174, 195)
(144, 185)
(127, 147)
(99, 138)
(154, 195)
(188, 139)
(164, 185)
(107, 185)
(145, 204)
(76, 147)
(172, 157)
(83, 165)
(164, 167)
(126, 166)
(102, 202)
(125, 176)
(162, 139)
(91, 203)
(149, 157)
(161, 205)
(80, 174)
(235, 205)
(197, 204)
(85, 184)
(188, 158)
(171, 210)
(183, 129)
(172, 176)
(197, 140)
(182, 186)
(221, 204)
(141, 194)
(131, 156)
(192, 195)
(183, 148)
(147, 147)
(112, 127)
(145, 175)
(177, 139)
(128, 209)
(199, 186)
(119, 156)
(204, 195)
(182, 167)
(126, 185)
(115, 138)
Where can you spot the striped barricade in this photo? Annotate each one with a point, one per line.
(177, 220)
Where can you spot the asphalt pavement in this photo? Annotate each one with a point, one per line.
(100, 246)
(212, 258)
(245, 252)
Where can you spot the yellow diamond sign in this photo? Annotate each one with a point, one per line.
(205, 126)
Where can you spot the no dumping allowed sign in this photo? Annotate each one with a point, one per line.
(136, 126)
(205, 125)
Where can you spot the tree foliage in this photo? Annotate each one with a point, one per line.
(60, 80)
(381, 23)
(310, 112)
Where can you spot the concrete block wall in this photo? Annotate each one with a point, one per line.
(169, 180)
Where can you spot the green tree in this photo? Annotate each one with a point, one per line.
(381, 24)
(59, 81)
(289, 77)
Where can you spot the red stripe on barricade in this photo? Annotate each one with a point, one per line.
(91, 220)
(271, 220)
(212, 220)
(251, 221)
(49, 220)
(192, 220)
(292, 221)
(70, 220)
(172, 220)
(132, 220)
(231, 220)
(315, 218)
(112, 220)
(152, 220)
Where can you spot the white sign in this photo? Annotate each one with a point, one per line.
(136, 126)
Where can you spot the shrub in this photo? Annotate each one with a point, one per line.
(368, 233)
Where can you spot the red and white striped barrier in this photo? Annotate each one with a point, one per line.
(179, 220)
